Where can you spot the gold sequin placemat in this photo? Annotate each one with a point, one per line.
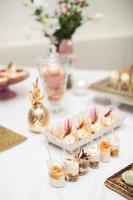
(9, 138)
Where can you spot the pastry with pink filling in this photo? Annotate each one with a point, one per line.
(83, 128)
(95, 121)
(69, 135)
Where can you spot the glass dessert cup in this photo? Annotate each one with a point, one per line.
(56, 174)
(83, 160)
(104, 150)
(71, 168)
(54, 78)
(114, 145)
(94, 156)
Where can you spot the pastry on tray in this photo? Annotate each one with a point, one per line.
(109, 118)
(83, 128)
(123, 79)
(114, 79)
(69, 133)
(56, 131)
(15, 73)
(95, 123)
(127, 176)
(3, 80)
(11, 74)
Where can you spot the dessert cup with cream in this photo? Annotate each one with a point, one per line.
(94, 153)
(83, 160)
(56, 174)
(104, 150)
(71, 168)
(114, 145)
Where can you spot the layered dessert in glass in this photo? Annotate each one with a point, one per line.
(114, 145)
(83, 160)
(71, 168)
(104, 150)
(56, 174)
(94, 156)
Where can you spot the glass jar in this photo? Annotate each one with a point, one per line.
(54, 77)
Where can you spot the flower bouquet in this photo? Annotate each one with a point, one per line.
(61, 20)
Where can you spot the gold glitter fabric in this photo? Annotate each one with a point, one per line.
(9, 138)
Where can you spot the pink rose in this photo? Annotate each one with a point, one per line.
(80, 1)
(64, 9)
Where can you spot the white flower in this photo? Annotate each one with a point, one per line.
(40, 3)
(97, 17)
(51, 26)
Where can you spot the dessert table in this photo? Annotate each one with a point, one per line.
(23, 169)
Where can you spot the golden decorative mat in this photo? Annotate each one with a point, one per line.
(9, 138)
(117, 184)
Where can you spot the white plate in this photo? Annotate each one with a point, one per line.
(128, 177)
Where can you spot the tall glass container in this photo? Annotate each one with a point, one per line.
(53, 71)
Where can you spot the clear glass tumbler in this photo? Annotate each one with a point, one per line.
(56, 173)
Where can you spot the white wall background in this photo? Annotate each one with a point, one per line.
(106, 44)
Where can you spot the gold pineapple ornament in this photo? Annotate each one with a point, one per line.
(38, 115)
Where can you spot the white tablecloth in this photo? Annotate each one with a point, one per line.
(23, 169)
